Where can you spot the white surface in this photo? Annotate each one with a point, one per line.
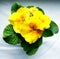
(50, 48)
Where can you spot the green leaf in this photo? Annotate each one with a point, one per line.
(15, 7)
(8, 31)
(52, 30)
(47, 33)
(40, 9)
(10, 36)
(31, 48)
(54, 27)
(31, 52)
(30, 6)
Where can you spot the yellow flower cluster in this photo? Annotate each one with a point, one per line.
(30, 23)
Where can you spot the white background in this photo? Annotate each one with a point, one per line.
(50, 48)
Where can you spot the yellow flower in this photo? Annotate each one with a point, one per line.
(35, 11)
(21, 15)
(30, 23)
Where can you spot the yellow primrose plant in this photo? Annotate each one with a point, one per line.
(28, 25)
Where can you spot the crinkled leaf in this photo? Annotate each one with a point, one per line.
(53, 27)
(52, 30)
(15, 6)
(10, 36)
(30, 6)
(47, 33)
(31, 48)
(40, 9)
(8, 31)
(31, 52)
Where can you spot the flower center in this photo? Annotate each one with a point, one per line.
(33, 26)
(31, 14)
